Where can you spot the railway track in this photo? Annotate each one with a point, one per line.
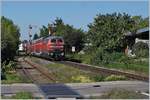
(102, 70)
(105, 71)
(36, 73)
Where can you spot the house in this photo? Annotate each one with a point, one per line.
(141, 35)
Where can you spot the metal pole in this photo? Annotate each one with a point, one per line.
(30, 27)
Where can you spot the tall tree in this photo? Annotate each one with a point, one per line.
(35, 36)
(44, 31)
(140, 22)
(9, 39)
(107, 31)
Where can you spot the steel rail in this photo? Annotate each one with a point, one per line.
(41, 72)
(105, 71)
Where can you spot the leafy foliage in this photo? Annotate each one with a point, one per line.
(9, 44)
(140, 22)
(106, 34)
(9, 39)
(141, 49)
(107, 31)
(35, 36)
(101, 57)
(98, 78)
(43, 31)
(115, 77)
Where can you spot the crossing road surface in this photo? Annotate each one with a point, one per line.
(74, 90)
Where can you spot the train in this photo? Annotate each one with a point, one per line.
(47, 47)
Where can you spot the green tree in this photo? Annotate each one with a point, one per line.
(9, 39)
(9, 43)
(107, 31)
(145, 22)
(35, 36)
(44, 31)
(140, 22)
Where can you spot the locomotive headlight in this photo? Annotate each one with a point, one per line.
(62, 53)
(51, 54)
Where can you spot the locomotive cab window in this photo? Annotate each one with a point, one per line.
(59, 40)
(53, 40)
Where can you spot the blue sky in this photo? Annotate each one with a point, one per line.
(77, 13)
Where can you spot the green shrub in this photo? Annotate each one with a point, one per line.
(141, 49)
(98, 78)
(115, 78)
(101, 56)
(115, 56)
(125, 60)
(6, 68)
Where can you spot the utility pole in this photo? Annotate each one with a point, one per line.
(30, 34)
(30, 28)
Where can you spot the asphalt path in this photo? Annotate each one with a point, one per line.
(73, 90)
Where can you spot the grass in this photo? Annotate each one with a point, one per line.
(122, 94)
(137, 65)
(12, 77)
(68, 74)
(115, 78)
(20, 95)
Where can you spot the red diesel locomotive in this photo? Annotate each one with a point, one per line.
(48, 47)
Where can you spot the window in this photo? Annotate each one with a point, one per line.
(59, 40)
(53, 40)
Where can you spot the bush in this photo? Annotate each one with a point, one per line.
(9, 38)
(141, 49)
(6, 68)
(115, 78)
(98, 78)
(115, 56)
(101, 57)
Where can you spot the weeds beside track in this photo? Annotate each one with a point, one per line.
(106, 71)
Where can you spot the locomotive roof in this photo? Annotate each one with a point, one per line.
(49, 37)
(38, 39)
(52, 37)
